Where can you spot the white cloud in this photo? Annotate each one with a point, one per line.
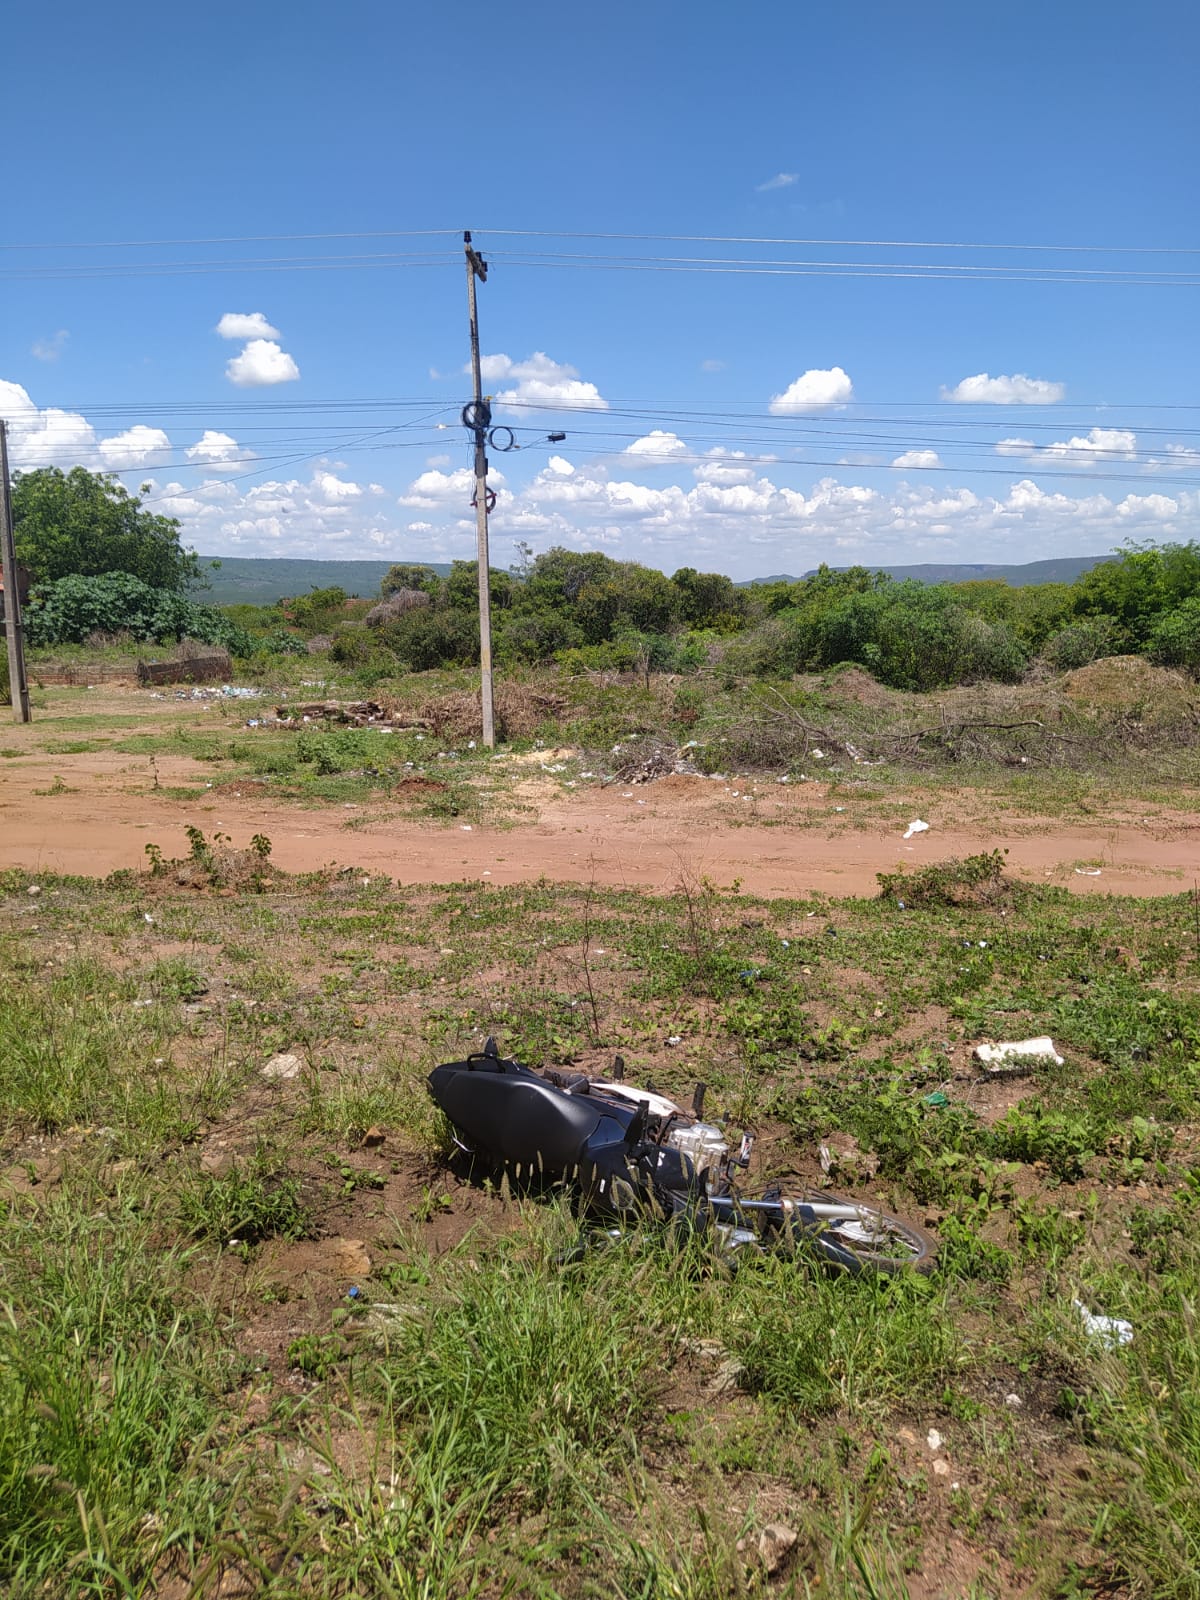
(262, 362)
(246, 325)
(540, 381)
(724, 467)
(657, 445)
(436, 488)
(1098, 445)
(335, 489)
(215, 449)
(919, 459)
(1178, 456)
(560, 466)
(50, 349)
(711, 364)
(50, 438)
(1017, 390)
(781, 180)
(138, 446)
(818, 389)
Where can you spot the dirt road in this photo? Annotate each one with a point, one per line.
(775, 841)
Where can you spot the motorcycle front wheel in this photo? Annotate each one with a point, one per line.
(859, 1238)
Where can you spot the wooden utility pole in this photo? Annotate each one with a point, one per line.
(18, 684)
(481, 417)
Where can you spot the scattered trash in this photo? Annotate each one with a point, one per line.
(282, 1066)
(354, 1292)
(146, 917)
(464, 827)
(818, 755)
(1087, 872)
(936, 1101)
(1111, 1332)
(934, 1439)
(227, 691)
(34, 888)
(676, 1038)
(916, 826)
(1014, 1057)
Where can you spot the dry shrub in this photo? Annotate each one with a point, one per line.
(395, 606)
(1128, 683)
(856, 686)
(520, 711)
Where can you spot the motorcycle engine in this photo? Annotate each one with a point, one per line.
(704, 1144)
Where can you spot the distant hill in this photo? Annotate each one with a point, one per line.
(1059, 569)
(261, 580)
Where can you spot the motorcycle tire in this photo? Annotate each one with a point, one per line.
(894, 1246)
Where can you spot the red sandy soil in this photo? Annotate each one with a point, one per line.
(776, 840)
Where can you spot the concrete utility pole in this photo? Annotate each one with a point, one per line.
(480, 415)
(18, 684)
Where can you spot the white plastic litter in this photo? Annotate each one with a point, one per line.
(1087, 872)
(1018, 1050)
(933, 1439)
(916, 826)
(1111, 1332)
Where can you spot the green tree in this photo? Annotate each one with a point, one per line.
(318, 609)
(409, 575)
(1175, 638)
(1137, 588)
(86, 523)
(710, 600)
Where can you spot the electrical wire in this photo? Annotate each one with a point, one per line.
(645, 238)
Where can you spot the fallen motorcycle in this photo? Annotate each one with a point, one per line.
(633, 1152)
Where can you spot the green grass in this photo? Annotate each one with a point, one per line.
(482, 1420)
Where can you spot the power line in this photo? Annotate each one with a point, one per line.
(649, 238)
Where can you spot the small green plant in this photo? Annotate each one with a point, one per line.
(974, 881)
(430, 1205)
(315, 1354)
(246, 1205)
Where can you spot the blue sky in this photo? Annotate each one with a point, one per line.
(747, 420)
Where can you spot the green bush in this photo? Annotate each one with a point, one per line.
(433, 637)
(71, 610)
(1082, 642)
(1175, 637)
